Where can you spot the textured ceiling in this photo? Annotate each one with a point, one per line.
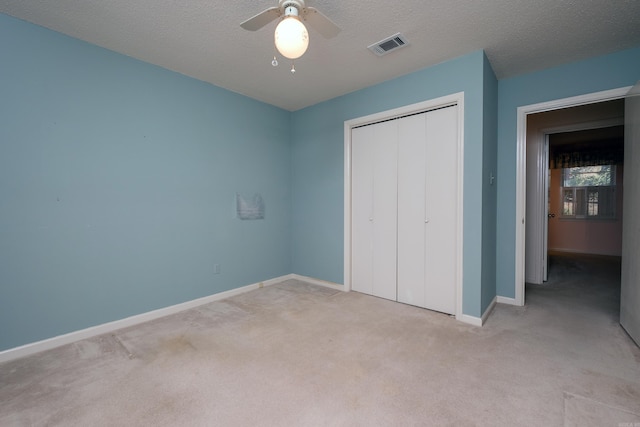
(203, 38)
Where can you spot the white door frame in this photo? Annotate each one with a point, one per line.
(445, 101)
(545, 235)
(521, 168)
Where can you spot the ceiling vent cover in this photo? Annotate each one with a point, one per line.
(389, 44)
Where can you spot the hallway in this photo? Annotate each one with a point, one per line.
(576, 314)
(580, 283)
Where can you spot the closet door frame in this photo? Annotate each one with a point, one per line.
(445, 101)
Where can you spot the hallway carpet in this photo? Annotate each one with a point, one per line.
(296, 354)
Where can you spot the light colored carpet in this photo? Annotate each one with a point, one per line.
(580, 411)
(296, 354)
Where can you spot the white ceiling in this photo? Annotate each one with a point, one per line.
(203, 38)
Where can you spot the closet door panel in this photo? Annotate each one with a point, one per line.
(385, 218)
(412, 150)
(441, 210)
(361, 210)
(374, 213)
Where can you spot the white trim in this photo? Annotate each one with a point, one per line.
(545, 215)
(521, 168)
(489, 310)
(453, 99)
(506, 300)
(347, 207)
(49, 343)
(479, 321)
(460, 207)
(521, 207)
(471, 320)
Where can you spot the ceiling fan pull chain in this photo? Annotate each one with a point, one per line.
(293, 68)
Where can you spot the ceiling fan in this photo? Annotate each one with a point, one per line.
(291, 36)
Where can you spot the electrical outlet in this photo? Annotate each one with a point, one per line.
(216, 268)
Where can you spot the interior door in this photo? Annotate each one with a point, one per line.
(630, 286)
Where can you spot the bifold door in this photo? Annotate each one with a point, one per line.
(404, 205)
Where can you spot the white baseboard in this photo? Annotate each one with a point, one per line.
(478, 321)
(471, 320)
(489, 309)
(506, 300)
(49, 343)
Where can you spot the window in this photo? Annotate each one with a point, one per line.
(588, 192)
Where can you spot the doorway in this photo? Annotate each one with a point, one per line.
(536, 188)
(575, 140)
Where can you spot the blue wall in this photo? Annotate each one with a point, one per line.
(117, 186)
(489, 189)
(593, 75)
(318, 168)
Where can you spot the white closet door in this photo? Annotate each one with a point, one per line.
(441, 210)
(412, 190)
(427, 160)
(374, 212)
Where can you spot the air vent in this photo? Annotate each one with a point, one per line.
(389, 44)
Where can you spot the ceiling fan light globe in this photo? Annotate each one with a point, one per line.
(292, 38)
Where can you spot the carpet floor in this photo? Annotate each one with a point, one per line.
(296, 354)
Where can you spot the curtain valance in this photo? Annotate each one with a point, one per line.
(574, 159)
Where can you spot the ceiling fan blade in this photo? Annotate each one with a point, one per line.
(321, 23)
(261, 19)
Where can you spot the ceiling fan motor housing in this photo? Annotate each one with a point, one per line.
(292, 7)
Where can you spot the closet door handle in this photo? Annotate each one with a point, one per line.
(426, 220)
(370, 219)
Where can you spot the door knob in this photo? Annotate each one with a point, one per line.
(551, 215)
